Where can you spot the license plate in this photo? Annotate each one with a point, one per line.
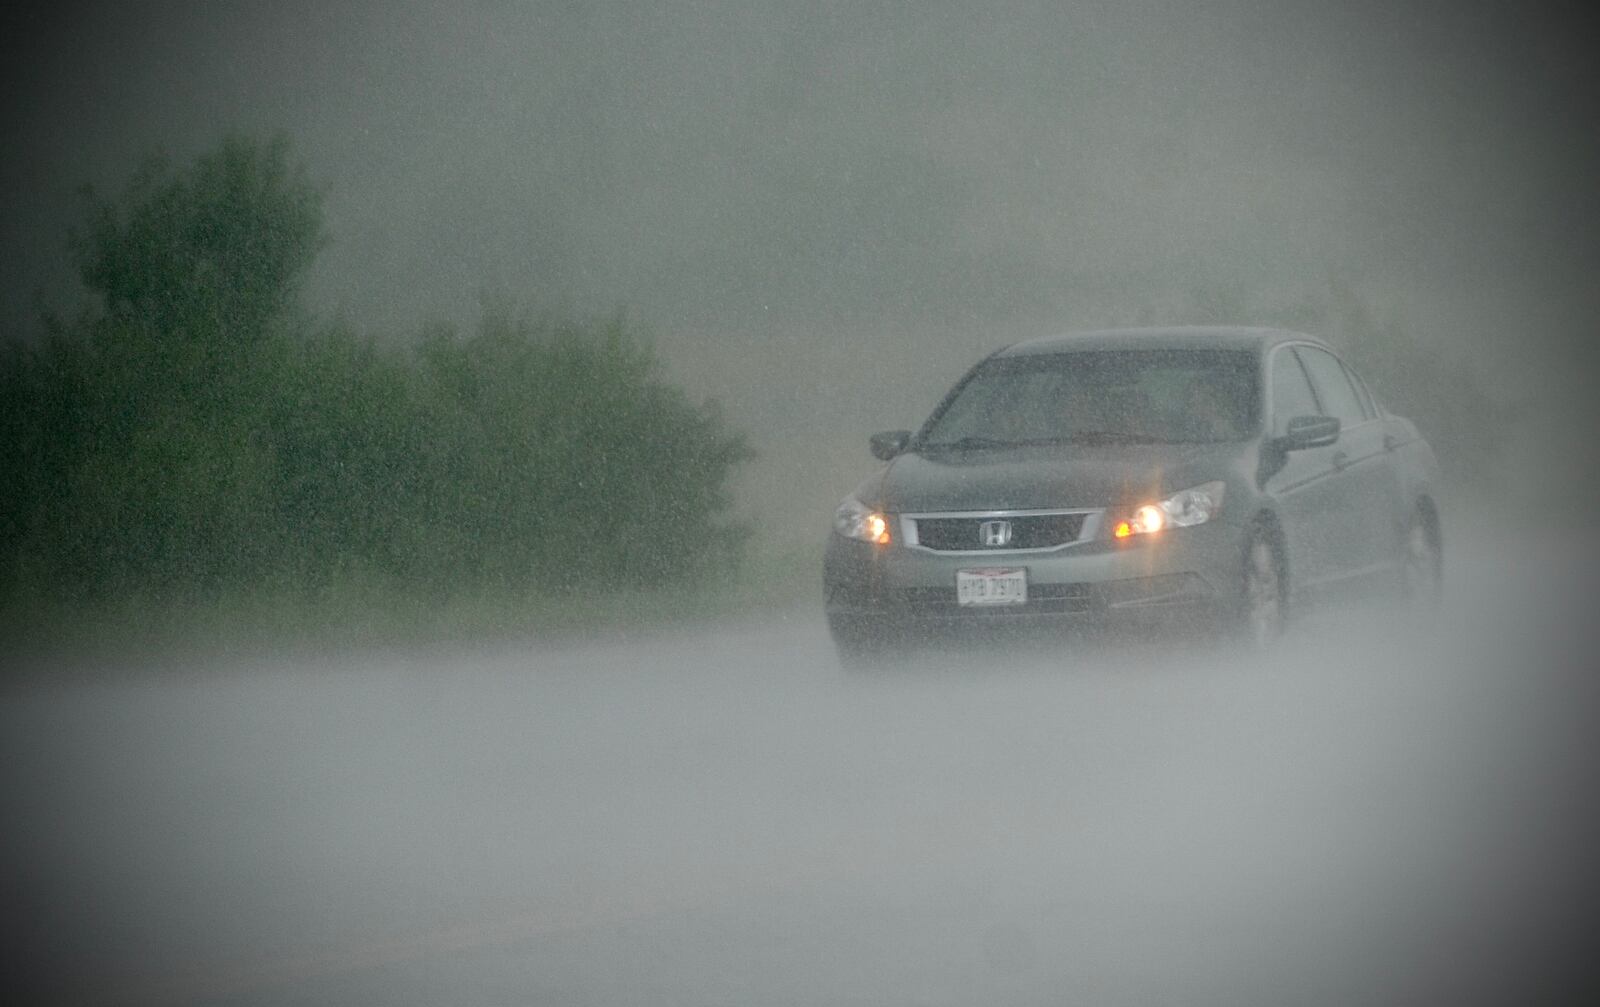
(992, 586)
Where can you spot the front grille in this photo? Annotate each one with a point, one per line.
(1042, 599)
(1028, 531)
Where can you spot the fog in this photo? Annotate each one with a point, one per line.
(719, 815)
(823, 213)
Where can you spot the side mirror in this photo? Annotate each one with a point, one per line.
(889, 443)
(1309, 432)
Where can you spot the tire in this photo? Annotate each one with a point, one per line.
(1422, 575)
(1263, 591)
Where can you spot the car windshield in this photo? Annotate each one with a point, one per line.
(1101, 396)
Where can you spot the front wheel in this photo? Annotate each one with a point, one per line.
(1423, 573)
(1263, 602)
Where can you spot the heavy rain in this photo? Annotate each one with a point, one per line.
(423, 423)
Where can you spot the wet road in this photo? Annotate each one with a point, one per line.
(720, 816)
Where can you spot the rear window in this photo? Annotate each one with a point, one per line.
(1137, 396)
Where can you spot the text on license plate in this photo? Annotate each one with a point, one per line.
(992, 586)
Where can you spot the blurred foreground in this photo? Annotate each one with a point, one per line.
(720, 816)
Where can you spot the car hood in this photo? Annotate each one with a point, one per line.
(1045, 477)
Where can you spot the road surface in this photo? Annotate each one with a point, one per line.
(720, 816)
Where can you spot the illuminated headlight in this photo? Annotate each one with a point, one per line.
(1182, 509)
(856, 520)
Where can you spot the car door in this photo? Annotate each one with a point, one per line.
(1393, 437)
(1301, 482)
(1364, 489)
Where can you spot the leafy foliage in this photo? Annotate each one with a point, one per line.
(211, 258)
(566, 457)
(195, 437)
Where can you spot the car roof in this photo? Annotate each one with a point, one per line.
(1217, 337)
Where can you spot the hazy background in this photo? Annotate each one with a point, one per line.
(824, 212)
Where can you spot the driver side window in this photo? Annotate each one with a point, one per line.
(1333, 386)
(1291, 392)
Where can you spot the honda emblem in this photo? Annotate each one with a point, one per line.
(995, 534)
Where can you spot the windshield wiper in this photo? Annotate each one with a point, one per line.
(1110, 437)
(967, 443)
(972, 442)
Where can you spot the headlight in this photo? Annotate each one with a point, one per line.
(1180, 510)
(856, 520)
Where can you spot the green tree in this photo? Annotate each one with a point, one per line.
(561, 458)
(213, 255)
(136, 427)
(191, 435)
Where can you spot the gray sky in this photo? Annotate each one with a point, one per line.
(798, 199)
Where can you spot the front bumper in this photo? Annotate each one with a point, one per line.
(1186, 578)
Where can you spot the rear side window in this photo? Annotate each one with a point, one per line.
(1334, 390)
(1361, 389)
(1291, 394)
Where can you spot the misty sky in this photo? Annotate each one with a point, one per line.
(797, 198)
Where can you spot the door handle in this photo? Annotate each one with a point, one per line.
(1340, 459)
